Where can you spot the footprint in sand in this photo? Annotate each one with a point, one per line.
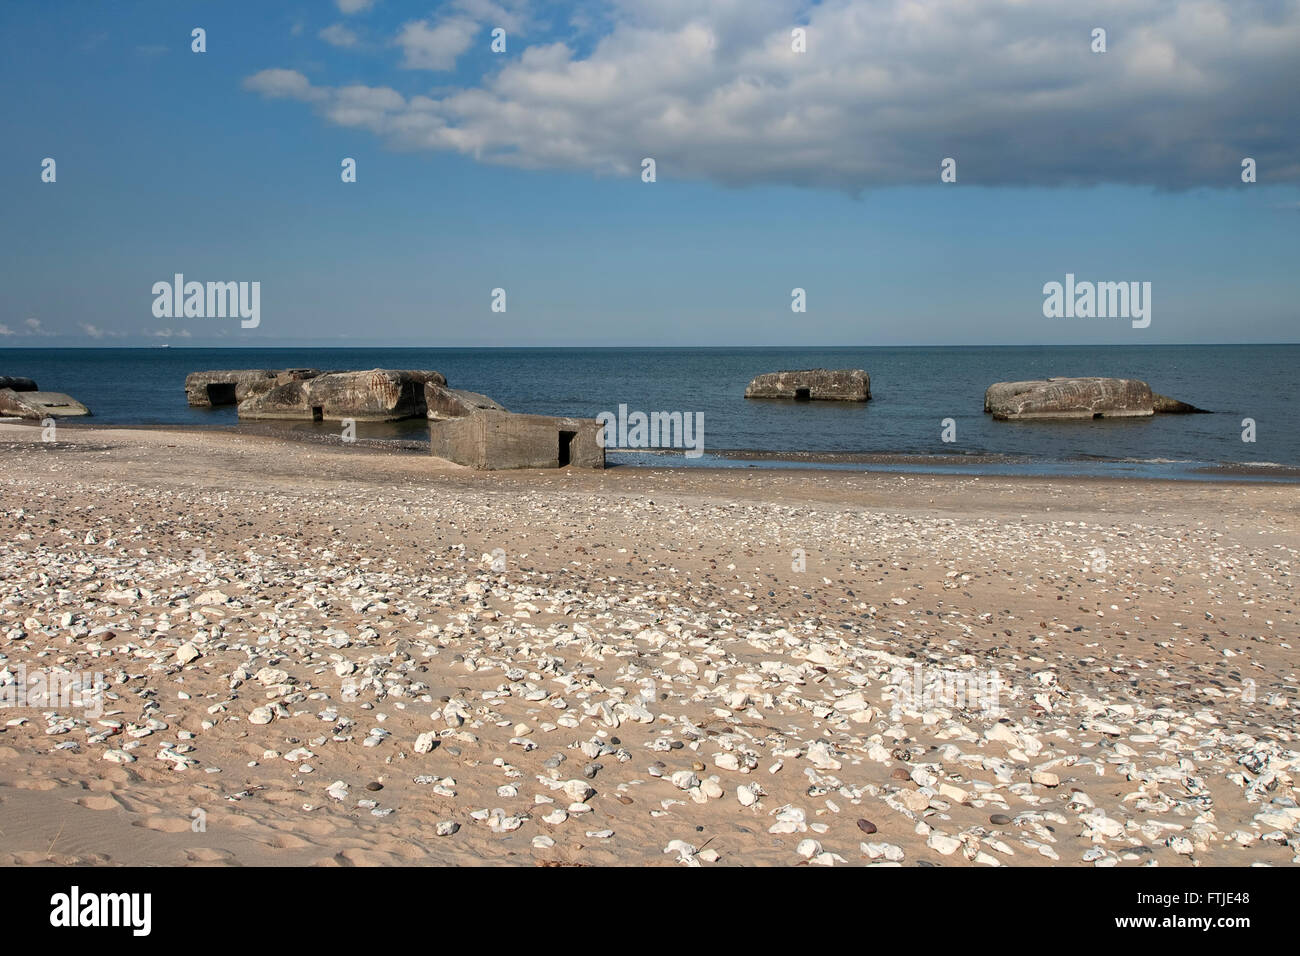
(101, 802)
(163, 824)
(290, 797)
(28, 857)
(204, 854)
(399, 849)
(359, 857)
(316, 827)
(287, 841)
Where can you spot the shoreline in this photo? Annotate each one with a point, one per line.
(975, 464)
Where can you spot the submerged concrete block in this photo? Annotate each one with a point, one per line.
(1164, 405)
(1070, 398)
(492, 440)
(813, 385)
(39, 405)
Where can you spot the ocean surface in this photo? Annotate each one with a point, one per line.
(913, 389)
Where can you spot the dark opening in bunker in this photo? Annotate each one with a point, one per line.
(566, 440)
(221, 393)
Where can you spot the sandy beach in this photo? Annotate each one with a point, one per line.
(328, 654)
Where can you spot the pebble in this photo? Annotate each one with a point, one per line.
(607, 645)
(685, 780)
(808, 849)
(578, 791)
(943, 843)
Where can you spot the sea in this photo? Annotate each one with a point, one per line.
(1253, 391)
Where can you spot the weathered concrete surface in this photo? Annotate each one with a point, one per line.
(232, 386)
(1069, 398)
(493, 440)
(17, 383)
(39, 405)
(375, 395)
(442, 402)
(1080, 398)
(816, 384)
(1164, 405)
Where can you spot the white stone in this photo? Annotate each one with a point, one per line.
(943, 843)
(685, 780)
(578, 791)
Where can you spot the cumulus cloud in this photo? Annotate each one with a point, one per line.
(5, 330)
(95, 332)
(349, 7)
(884, 92)
(277, 84)
(338, 35)
(436, 47)
(34, 327)
(510, 15)
(167, 333)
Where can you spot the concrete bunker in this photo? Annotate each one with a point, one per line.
(813, 385)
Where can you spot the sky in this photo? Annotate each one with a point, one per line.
(776, 168)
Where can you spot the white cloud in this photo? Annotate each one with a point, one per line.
(426, 47)
(884, 92)
(511, 15)
(5, 330)
(349, 7)
(167, 333)
(95, 332)
(277, 84)
(34, 327)
(338, 35)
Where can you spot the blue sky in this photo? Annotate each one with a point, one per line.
(521, 170)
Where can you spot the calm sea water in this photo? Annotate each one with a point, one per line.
(913, 389)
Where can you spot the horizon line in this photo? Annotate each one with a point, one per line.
(995, 345)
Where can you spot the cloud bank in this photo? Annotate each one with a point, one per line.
(884, 91)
